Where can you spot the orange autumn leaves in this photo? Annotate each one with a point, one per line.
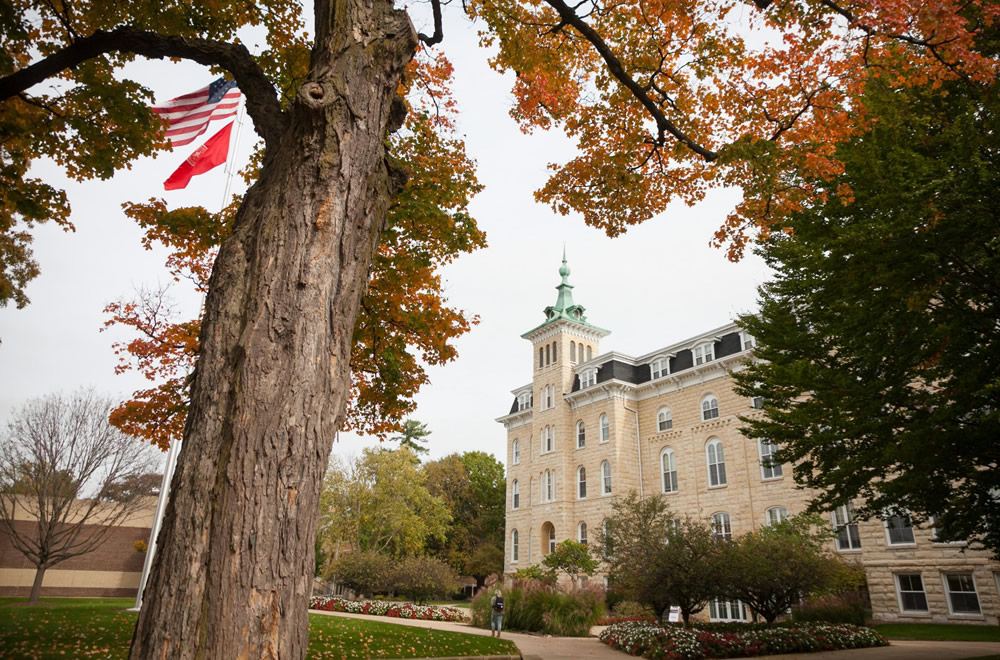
(404, 322)
(769, 91)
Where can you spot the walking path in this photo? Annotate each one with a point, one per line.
(544, 647)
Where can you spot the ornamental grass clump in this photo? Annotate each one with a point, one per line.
(659, 642)
(533, 606)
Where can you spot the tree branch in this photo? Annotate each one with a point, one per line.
(438, 35)
(663, 125)
(262, 103)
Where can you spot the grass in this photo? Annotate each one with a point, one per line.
(100, 628)
(946, 632)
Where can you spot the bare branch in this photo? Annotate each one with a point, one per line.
(438, 35)
(262, 103)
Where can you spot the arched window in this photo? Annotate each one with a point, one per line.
(668, 462)
(716, 462)
(541, 357)
(776, 514)
(548, 354)
(721, 526)
(581, 482)
(515, 495)
(515, 450)
(581, 435)
(548, 487)
(709, 407)
(572, 352)
(581, 533)
(554, 358)
(548, 439)
(552, 538)
(513, 545)
(664, 420)
(605, 428)
(606, 477)
(548, 538)
(769, 469)
(590, 355)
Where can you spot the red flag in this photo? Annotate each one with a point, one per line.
(213, 153)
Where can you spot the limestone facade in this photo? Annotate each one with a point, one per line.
(575, 386)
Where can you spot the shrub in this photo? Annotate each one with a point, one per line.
(658, 642)
(423, 578)
(365, 573)
(836, 608)
(532, 606)
(629, 609)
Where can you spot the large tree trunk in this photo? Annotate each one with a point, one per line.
(234, 571)
(36, 586)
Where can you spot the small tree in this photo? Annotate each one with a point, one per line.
(423, 578)
(685, 569)
(64, 467)
(573, 558)
(485, 560)
(772, 568)
(413, 437)
(364, 573)
(535, 572)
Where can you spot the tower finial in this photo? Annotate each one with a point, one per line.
(564, 269)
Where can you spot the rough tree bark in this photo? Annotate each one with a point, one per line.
(234, 572)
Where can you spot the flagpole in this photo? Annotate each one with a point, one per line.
(232, 154)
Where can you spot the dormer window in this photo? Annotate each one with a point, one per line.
(524, 401)
(659, 368)
(749, 341)
(704, 353)
(588, 377)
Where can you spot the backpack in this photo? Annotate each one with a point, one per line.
(498, 604)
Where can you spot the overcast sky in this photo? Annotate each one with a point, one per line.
(657, 284)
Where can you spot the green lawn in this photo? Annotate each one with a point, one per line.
(100, 628)
(940, 631)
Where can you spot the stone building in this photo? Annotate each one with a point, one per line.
(592, 425)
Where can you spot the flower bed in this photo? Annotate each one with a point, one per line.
(658, 642)
(624, 619)
(387, 608)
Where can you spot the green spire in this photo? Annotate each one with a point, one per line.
(565, 309)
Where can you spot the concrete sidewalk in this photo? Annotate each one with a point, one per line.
(543, 647)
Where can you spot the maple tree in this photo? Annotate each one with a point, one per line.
(665, 99)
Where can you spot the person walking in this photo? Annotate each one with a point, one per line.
(496, 613)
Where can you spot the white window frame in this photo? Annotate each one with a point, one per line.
(548, 439)
(848, 520)
(548, 486)
(581, 483)
(605, 426)
(709, 411)
(515, 450)
(668, 470)
(605, 478)
(659, 368)
(757, 403)
(588, 378)
(723, 520)
(775, 515)
(900, 591)
(703, 353)
(549, 398)
(581, 435)
(747, 341)
(665, 424)
(515, 495)
(581, 533)
(764, 457)
(715, 459)
(514, 549)
(715, 608)
(948, 592)
(888, 532)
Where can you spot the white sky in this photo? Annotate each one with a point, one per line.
(657, 284)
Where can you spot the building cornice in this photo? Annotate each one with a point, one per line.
(551, 329)
(515, 419)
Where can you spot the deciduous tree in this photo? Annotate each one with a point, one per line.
(880, 355)
(664, 100)
(572, 558)
(67, 479)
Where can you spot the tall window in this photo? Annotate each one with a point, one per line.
(541, 357)
(748, 340)
(721, 526)
(513, 545)
(581, 533)
(659, 368)
(668, 461)
(664, 420)
(848, 537)
(769, 469)
(548, 487)
(605, 428)
(899, 530)
(549, 391)
(606, 477)
(704, 353)
(590, 355)
(912, 597)
(515, 450)
(548, 354)
(716, 462)
(709, 407)
(515, 495)
(548, 439)
(552, 538)
(581, 435)
(962, 595)
(554, 345)
(581, 482)
(776, 514)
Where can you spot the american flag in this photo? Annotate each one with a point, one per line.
(188, 116)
